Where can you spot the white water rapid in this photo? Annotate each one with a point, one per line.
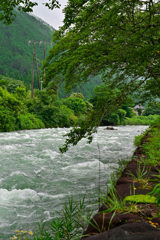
(35, 178)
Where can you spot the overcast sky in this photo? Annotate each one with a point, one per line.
(52, 17)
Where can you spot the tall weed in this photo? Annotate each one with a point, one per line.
(70, 224)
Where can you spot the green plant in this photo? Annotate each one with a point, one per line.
(156, 123)
(29, 121)
(152, 108)
(114, 203)
(139, 139)
(112, 200)
(140, 198)
(70, 223)
(141, 176)
(152, 148)
(94, 224)
(156, 191)
(141, 120)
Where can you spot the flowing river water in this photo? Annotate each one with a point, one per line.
(36, 179)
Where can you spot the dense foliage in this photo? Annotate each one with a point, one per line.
(152, 108)
(13, 112)
(18, 111)
(141, 120)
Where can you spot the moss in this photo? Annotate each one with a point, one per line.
(141, 199)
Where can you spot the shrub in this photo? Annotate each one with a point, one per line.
(152, 148)
(141, 120)
(113, 119)
(156, 122)
(122, 115)
(29, 121)
(7, 120)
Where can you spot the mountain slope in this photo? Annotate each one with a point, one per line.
(15, 53)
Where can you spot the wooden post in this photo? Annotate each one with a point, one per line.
(44, 57)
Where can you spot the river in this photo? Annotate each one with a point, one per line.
(36, 179)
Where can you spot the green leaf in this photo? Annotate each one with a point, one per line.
(141, 198)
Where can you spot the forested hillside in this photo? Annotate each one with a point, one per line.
(16, 54)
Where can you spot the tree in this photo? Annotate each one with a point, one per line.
(76, 103)
(152, 108)
(101, 94)
(10, 108)
(118, 39)
(7, 7)
(118, 36)
(10, 102)
(20, 92)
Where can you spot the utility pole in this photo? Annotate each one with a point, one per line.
(41, 42)
(32, 89)
(41, 85)
(44, 49)
(37, 72)
(44, 57)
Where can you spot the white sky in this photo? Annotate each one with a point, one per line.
(52, 17)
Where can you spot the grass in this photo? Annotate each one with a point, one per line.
(141, 176)
(139, 139)
(115, 204)
(156, 191)
(112, 201)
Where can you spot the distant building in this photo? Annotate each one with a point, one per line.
(139, 109)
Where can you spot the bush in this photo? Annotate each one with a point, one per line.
(76, 104)
(113, 119)
(71, 119)
(152, 148)
(141, 120)
(122, 115)
(152, 109)
(156, 122)
(29, 121)
(7, 120)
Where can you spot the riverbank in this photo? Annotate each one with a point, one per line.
(129, 211)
